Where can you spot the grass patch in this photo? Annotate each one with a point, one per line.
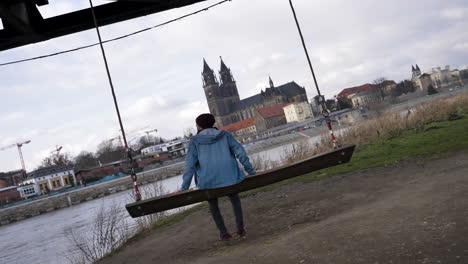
(451, 136)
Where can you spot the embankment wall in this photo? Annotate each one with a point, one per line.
(42, 206)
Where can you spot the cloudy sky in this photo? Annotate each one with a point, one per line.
(66, 100)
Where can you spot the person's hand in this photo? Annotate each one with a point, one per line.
(255, 172)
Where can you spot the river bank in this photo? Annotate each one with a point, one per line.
(57, 202)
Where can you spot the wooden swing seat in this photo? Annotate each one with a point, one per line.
(170, 201)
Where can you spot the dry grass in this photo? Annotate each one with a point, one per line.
(262, 163)
(394, 124)
(148, 191)
(110, 230)
(385, 126)
(298, 151)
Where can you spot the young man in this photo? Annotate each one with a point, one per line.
(211, 158)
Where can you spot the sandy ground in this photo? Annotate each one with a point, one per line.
(415, 211)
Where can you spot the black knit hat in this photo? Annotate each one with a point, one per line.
(205, 120)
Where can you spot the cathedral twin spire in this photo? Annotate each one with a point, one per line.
(207, 69)
(416, 71)
(224, 68)
(208, 73)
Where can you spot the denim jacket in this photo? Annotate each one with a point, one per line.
(211, 158)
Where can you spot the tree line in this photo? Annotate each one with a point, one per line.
(106, 152)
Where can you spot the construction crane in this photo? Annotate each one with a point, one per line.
(135, 130)
(128, 133)
(57, 149)
(148, 132)
(119, 138)
(19, 145)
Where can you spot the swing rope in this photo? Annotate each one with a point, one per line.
(325, 110)
(127, 149)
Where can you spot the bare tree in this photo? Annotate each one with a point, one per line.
(85, 160)
(107, 152)
(379, 83)
(149, 191)
(147, 141)
(189, 132)
(403, 87)
(108, 232)
(57, 159)
(379, 80)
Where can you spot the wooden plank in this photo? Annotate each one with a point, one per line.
(171, 201)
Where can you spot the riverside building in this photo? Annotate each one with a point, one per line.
(50, 178)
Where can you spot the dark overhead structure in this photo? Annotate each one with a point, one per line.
(23, 24)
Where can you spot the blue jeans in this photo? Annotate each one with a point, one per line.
(218, 218)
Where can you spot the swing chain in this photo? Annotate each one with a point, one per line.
(133, 176)
(325, 110)
(328, 121)
(130, 158)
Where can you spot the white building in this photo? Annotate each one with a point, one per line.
(439, 78)
(298, 112)
(51, 178)
(29, 190)
(366, 98)
(315, 105)
(175, 148)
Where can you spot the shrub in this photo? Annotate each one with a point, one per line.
(108, 232)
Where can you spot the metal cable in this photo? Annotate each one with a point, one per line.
(325, 110)
(104, 57)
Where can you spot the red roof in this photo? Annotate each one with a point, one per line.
(348, 91)
(239, 125)
(365, 87)
(388, 82)
(271, 111)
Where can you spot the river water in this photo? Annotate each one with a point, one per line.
(42, 239)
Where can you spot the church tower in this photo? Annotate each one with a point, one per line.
(228, 85)
(218, 96)
(272, 85)
(416, 71)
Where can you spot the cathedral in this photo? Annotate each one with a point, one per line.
(224, 102)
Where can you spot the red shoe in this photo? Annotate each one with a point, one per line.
(241, 234)
(225, 237)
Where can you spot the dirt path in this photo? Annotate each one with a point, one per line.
(412, 212)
